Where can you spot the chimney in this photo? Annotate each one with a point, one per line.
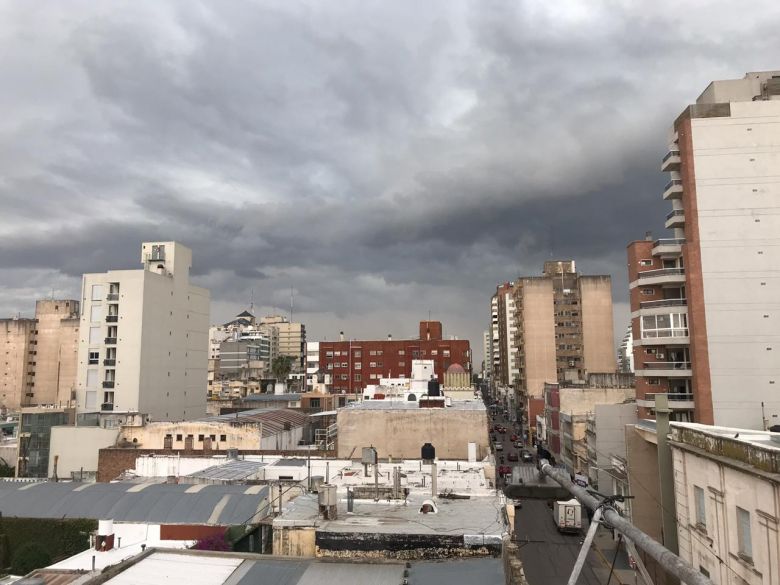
(105, 535)
(649, 236)
(389, 337)
(341, 336)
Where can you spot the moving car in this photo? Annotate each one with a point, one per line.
(499, 446)
(526, 456)
(512, 457)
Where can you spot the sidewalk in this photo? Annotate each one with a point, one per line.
(604, 546)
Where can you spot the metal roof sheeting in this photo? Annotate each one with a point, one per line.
(230, 471)
(272, 420)
(220, 505)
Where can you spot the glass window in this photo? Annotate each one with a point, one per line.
(743, 533)
(94, 356)
(701, 516)
(358, 353)
(97, 292)
(358, 365)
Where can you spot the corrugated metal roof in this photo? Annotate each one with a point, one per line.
(291, 397)
(273, 420)
(230, 471)
(222, 505)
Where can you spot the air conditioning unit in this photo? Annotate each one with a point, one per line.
(659, 356)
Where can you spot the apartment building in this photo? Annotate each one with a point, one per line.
(292, 339)
(39, 356)
(354, 364)
(143, 339)
(553, 327)
(495, 340)
(705, 301)
(487, 349)
(727, 501)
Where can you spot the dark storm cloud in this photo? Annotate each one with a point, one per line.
(382, 159)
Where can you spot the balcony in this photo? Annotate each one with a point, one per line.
(107, 406)
(110, 340)
(112, 318)
(108, 383)
(671, 162)
(673, 189)
(110, 363)
(665, 370)
(112, 297)
(677, 401)
(668, 247)
(675, 219)
(662, 276)
(663, 303)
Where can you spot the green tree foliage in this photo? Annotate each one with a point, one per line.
(281, 367)
(28, 557)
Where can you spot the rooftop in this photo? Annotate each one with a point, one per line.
(155, 503)
(287, 397)
(405, 405)
(196, 568)
(272, 420)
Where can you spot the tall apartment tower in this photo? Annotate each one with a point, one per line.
(292, 339)
(17, 378)
(143, 340)
(705, 302)
(559, 329)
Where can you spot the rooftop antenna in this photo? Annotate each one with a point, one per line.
(252, 301)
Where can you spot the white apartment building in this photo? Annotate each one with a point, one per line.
(727, 499)
(706, 302)
(144, 338)
(487, 348)
(312, 363)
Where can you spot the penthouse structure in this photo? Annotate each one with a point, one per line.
(705, 301)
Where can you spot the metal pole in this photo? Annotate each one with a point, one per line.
(666, 558)
(594, 526)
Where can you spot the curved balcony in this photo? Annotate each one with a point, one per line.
(671, 162)
(675, 219)
(677, 401)
(663, 303)
(662, 276)
(673, 189)
(665, 370)
(668, 247)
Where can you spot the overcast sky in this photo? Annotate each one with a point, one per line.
(383, 159)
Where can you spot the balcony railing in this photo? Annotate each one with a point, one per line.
(670, 154)
(669, 242)
(110, 340)
(663, 303)
(678, 396)
(107, 406)
(112, 318)
(667, 365)
(108, 362)
(108, 383)
(662, 272)
(675, 213)
(673, 182)
(112, 297)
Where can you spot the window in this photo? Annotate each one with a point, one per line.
(345, 376)
(372, 365)
(344, 364)
(401, 352)
(213, 438)
(446, 353)
(648, 292)
(178, 437)
(645, 262)
(743, 534)
(666, 325)
(401, 364)
(357, 377)
(94, 335)
(358, 365)
(97, 292)
(701, 516)
(654, 381)
(373, 376)
(95, 313)
(379, 352)
(434, 352)
(358, 353)
(379, 364)
(372, 352)
(330, 366)
(704, 571)
(223, 438)
(200, 438)
(314, 403)
(94, 356)
(329, 354)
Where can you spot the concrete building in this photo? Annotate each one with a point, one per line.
(55, 352)
(727, 497)
(626, 353)
(566, 410)
(292, 339)
(143, 343)
(399, 429)
(605, 441)
(247, 430)
(487, 357)
(356, 364)
(557, 326)
(18, 378)
(704, 302)
(35, 431)
(73, 452)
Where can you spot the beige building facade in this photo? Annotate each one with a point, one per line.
(705, 301)
(291, 339)
(17, 382)
(143, 338)
(56, 360)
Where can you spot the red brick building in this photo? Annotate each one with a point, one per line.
(356, 364)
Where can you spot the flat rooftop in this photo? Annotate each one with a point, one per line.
(406, 405)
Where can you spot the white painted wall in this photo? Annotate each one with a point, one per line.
(737, 166)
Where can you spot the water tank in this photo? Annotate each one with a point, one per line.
(327, 495)
(232, 453)
(428, 453)
(105, 527)
(316, 482)
(433, 387)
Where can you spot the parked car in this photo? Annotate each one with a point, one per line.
(514, 438)
(518, 445)
(504, 470)
(499, 446)
(512, 457)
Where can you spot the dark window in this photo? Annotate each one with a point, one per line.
(200, 438)
(178, 437)
(223, 437)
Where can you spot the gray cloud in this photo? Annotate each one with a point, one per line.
(383, 159)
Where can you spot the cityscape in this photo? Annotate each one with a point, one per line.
(299, 294)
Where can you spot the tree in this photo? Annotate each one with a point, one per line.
(281, 367)
(29, 557)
